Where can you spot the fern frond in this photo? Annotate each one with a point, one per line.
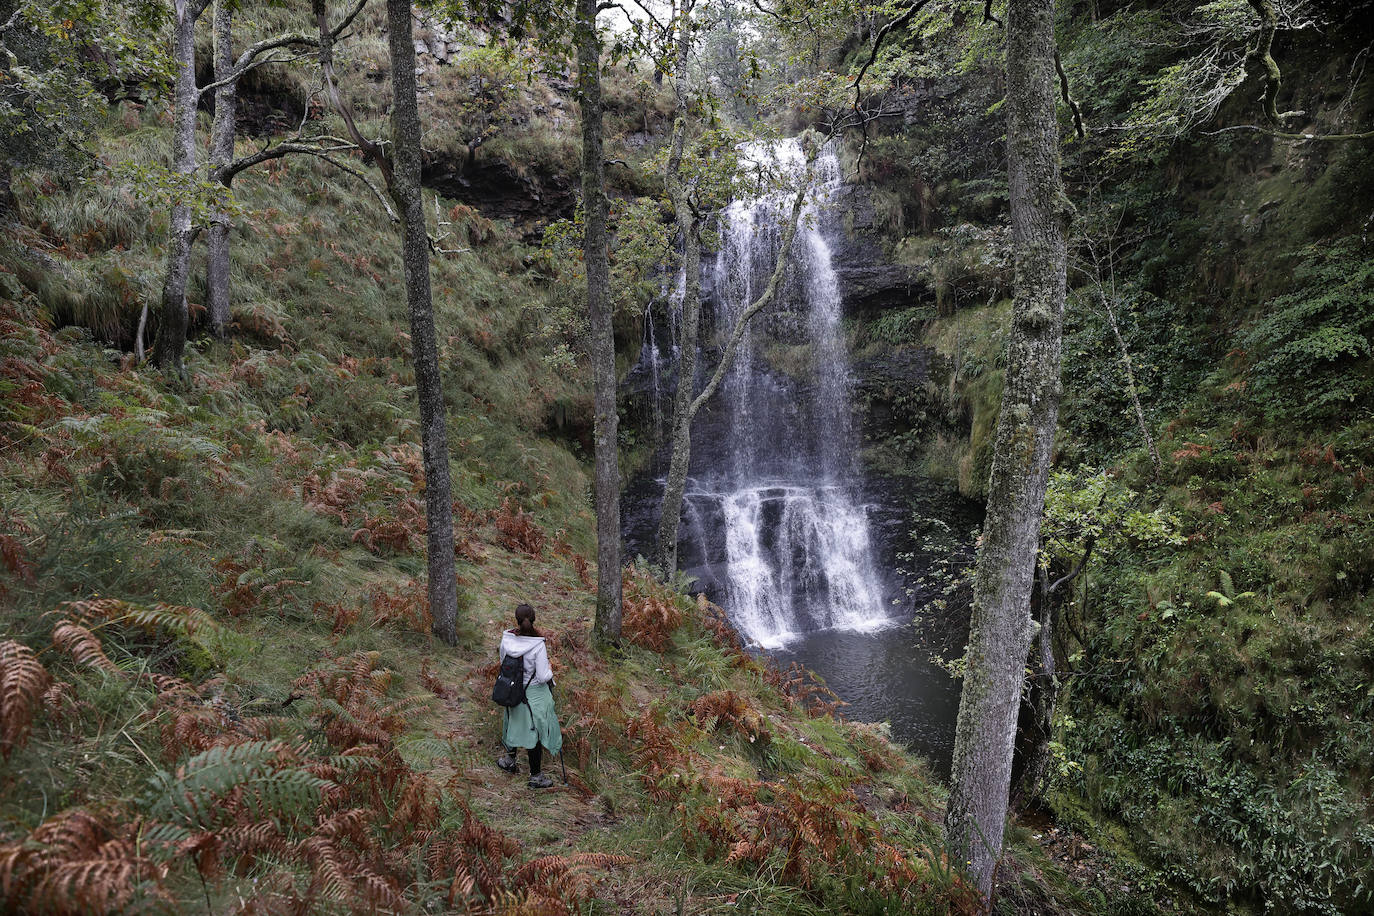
(89, 886)
(17, 873)
(247, 841)
(74, 863)
(266, 784)
(406, 707)
(1228, 587)
(83, 646)
(14, 555)
(159, 836)
(430, 747)
(71, 834)
(23, 685)
(173, 618)
(546, 867)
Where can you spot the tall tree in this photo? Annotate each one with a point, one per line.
(222, 133)
(224, 167)
(171, 338)
(404, 185)
(600, 333)
(1002, 627)
(689, 231)
(693, 195)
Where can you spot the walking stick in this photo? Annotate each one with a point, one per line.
(560, 750)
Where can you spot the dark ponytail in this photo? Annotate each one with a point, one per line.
(524, 621)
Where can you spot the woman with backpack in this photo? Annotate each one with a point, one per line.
(532, 723)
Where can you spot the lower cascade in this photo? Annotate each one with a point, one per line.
(772, 527)
(797, 559)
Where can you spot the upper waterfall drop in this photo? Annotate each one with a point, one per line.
(771, 502)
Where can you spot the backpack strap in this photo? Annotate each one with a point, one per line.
(525, 694)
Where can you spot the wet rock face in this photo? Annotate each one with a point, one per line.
(498, 191)
(869, 282)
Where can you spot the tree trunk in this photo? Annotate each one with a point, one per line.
(1001, 627)
(406, 192)
(171, 337)
(221, 155)
(670, 513)
(1129, 369)
(9, 206)
(685, 406)
(680, 438)
(1035, 721)
(601, 334)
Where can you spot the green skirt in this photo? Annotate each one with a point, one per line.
(520, 729)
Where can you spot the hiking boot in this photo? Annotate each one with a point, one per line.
(507, 763)
(540, 781)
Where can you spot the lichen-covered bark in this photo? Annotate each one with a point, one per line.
(1263, 55)
(686, 406)
(670, 512)
(221, 154)
(405, 191)
(171, 336)
(689, 228)
(600, 334)
(1001, 627)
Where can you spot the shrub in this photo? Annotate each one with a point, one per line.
(1313, 350)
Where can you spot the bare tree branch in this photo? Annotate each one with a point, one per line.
(1088, 546)
(727, 357)
(306, 147)
(1313, 138)
(805, 20)
(372, 151)
(1067, 96)
(376, 191)
(1262, 53)
(899, 22)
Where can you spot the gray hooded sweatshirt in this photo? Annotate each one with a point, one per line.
(534, 653)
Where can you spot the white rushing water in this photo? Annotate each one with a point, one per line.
(797, 551)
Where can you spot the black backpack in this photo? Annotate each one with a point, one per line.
(510, 683)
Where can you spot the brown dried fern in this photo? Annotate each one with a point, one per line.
(83, 646)
(23, 685)
(651, 612)
(517, 531)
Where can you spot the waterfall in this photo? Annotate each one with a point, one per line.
(770, 512)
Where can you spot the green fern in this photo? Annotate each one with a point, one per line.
(258, 771)
(1313, 348)
(1227, 596)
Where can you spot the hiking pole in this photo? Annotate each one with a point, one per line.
(560, 749)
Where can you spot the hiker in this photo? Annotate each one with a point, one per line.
(532, 724)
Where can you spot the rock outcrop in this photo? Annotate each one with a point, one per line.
(493, 187)
(869, 280)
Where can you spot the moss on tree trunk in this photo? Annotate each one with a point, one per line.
(1001, 628)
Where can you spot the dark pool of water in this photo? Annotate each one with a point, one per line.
(887, 676)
